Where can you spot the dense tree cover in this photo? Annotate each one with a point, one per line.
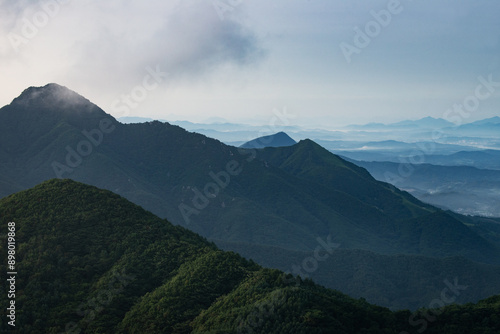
(77, 245)
(393, 281)
(89, 261)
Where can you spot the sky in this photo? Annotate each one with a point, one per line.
(326, 63)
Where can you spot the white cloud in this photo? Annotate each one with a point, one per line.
(418, 65)
(108, 44)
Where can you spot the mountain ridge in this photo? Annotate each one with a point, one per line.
(282, 197)
(92, 261)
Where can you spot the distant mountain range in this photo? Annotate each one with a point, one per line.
(463, 189)
(469, 136)
(292, 199)
(426, 123)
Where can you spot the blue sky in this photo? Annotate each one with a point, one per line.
(241, 59)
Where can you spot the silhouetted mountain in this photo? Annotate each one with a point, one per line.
(279, 139)
(284, 197)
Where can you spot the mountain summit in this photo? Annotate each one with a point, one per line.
(40, 107)
(49, 95)
(280, 139)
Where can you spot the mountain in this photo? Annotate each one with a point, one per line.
(279, 139)
(451, 138)
(486, 128)
(393, 281)
(89, 261)
(492, 120)
(485, 159)
(426, 123)
(288, 197)
(393, 149)
(417, 153)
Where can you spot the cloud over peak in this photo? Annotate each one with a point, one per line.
(118, 39)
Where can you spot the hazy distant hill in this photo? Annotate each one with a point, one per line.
(284, 197)
(373, 139)
(492, 120)
(463, 189)
(486, 159)
(279, 139)
(426, 123)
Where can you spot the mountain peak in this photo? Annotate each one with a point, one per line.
(50, 104)
(49, 95)
(491, 120)
(280, 139)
